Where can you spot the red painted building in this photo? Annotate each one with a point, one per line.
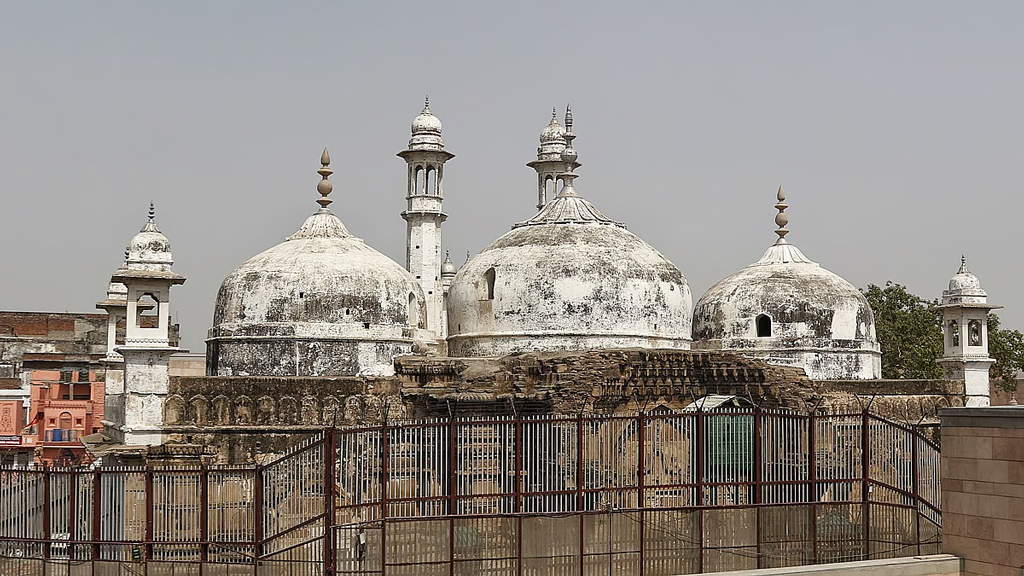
(65, 405)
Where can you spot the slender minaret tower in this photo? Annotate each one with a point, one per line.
(147, 350)
(549, 164)
(965, 356)
(425, 192)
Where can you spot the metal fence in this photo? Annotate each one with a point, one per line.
(654, 493)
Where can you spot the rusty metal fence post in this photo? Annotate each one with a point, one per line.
(330, 473)
(865, 485)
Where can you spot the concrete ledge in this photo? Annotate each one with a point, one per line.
(1006, 417)
(933, 565)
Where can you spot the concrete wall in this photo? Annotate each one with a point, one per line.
(937, 565)
(983, 488)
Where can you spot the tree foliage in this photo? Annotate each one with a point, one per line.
(909, 331)
(1007, 348)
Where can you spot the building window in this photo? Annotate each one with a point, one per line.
(954, 332)
(974, 332)
(489, 278)
(65, 421)
(764, 326)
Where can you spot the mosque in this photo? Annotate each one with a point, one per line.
(323, 306)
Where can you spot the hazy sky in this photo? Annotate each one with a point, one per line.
(895, 128)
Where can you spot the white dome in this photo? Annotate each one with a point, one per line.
(964, 288)
(149, 249)
(789, 310)
(567, 279)
(321, 303)
(426, 131)
(552, 140)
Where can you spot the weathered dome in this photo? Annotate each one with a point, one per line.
(448, 268)
(964, 280)
(567, 279)
(552, 140)
(426, 130)
(149, 249)
(786, 309)
(320, 303)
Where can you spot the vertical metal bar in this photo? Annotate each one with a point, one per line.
(46, 510)
(812, 476)
(257, 511)
(330, 460)
(149, 517)
(72, 513)
(204, 516)
(96, 499)
(758, 481)
(519, 546)
(914, 484)
(384, 499)
(579, 482)
(641, 500)
(452, 453)
(865, 464)
(518, 491)
(700, 488)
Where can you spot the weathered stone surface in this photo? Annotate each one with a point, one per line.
(815, 319)
(320, 303)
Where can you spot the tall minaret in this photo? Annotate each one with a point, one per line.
(147, 350)
(965, 356)
(549, 164)
(425, 192)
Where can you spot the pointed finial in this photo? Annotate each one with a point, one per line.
(963, 265)
(467, 257)
(324, 187)
(447, 254)
(554, 113)
(568, 156)
(152, 211)
(426, 104)
(781, 219)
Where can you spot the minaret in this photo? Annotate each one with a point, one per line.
(965, 356)
(549, 164)
(147, 278)
(425, 192)
(116, 306)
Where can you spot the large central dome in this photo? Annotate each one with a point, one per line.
(567, 279)
(320, 303)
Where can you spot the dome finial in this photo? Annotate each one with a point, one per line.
(963, 265)
(324, 187)
(568, 156)
(426, 104)
(152, 211)
(781, 219)
(554, 113)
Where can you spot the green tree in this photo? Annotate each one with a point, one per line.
(909, 332)
(1007, 347)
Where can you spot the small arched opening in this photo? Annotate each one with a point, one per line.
(549, 189)
(974, 333)
(489, 279)
(419, 181)
(414, 311)
(764, 326)
(431, 186)
(147, 312)
(954, 333)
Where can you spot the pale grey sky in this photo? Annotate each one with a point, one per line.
(895, 128)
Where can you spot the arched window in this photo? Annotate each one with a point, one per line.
(419, 181)
(414, 311)
(489, 278)
(65, 421)
(147, 312)
(549, 189)
(764, 326)
(954, 332)
(431, 189)
(974, 333)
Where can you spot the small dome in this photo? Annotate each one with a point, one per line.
(963, 280)
(426, 131)
(448, 268)
(150, 249)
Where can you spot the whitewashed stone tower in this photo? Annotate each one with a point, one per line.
(148, 278)
(116, 306)
(424, 194)
(549, 164)
(965, 311)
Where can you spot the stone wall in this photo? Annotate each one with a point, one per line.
(983, 488)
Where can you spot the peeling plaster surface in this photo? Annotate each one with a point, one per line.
(568, 279)
(819, 321)
(321, 303)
